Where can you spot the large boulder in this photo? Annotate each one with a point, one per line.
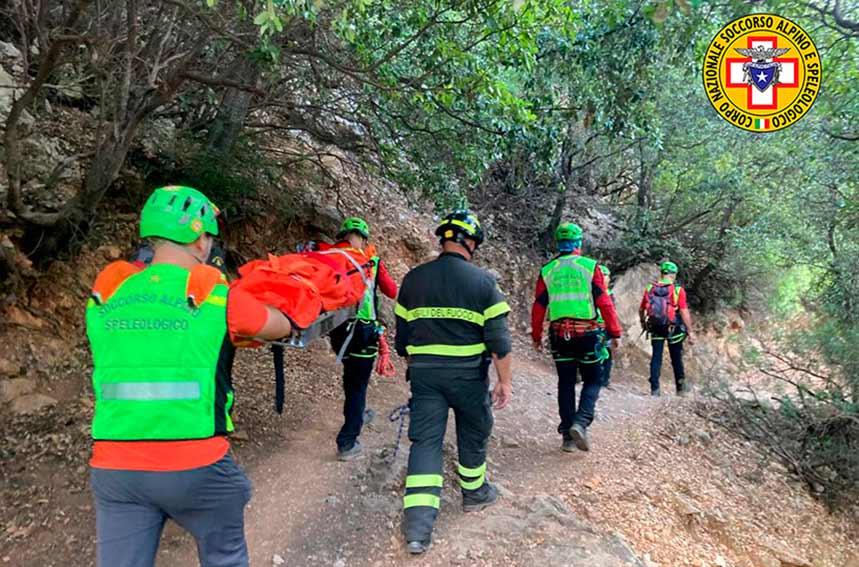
(628, 290)
(9, 92)
(9, 51)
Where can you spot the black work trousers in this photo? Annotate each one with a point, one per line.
(591, 384)
(573, 354)
(434, 392)
(675, 350)
(356, 377)
(358, 361)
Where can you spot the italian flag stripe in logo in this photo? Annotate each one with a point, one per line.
(762, 123)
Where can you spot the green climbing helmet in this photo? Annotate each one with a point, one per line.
(460, 222)
(605, 271)
(178, 213)
(354, 224)
(669, 268)
(568, 231)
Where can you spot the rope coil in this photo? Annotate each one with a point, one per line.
(399, 413)
(384, 365)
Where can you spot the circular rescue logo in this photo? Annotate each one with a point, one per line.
(762, 72)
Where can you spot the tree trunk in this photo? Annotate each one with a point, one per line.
(718, 255)
(233, 109)
(555, 220)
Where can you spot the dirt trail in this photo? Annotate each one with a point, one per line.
(629, 502)
(661, 486)
(309, 509)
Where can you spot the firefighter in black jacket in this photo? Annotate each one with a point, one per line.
(451, 322)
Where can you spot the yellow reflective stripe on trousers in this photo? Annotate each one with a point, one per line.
(415, 500)
(465, 471)
(424, 481)
(447, 350)
(496, 310)
(478, 476)
(472, 484)
(457, 313)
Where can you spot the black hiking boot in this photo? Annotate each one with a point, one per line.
(418, 547)
(479, 499)
(568, 445)
(351, 453)
(682, 389)
(579, 435)
(657, 392)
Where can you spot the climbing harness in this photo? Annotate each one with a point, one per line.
(360, 269)
(399, 413)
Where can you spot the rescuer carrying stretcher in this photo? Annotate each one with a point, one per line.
(357, 340)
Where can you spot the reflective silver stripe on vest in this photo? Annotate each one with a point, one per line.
(150, 391)
(568, 296)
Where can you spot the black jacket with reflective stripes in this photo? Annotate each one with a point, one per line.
(451, 313)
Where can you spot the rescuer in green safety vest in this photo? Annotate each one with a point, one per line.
(358, 339)
(451, 323)
(665, 316)
(573, 292)
(162, 339)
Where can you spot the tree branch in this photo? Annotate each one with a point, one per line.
(221, 82)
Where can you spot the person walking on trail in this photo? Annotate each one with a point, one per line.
(162, 344)
(451, 322)
(665, 316)
(573, 291)
(607, 362)
(358, 339)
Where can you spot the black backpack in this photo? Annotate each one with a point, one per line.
(661, 306)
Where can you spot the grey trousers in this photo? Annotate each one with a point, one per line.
(132, 506)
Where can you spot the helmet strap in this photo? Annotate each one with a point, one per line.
(187, 250)
(462, 240)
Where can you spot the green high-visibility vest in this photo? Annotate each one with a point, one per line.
(569, 281)
(367, 309)
(161, 367)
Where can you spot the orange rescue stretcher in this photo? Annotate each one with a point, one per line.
(318, 290)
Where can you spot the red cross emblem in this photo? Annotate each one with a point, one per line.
(768, 98)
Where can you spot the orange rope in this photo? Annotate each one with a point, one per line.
(384, 366)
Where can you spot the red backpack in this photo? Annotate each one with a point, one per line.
(662, 300)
